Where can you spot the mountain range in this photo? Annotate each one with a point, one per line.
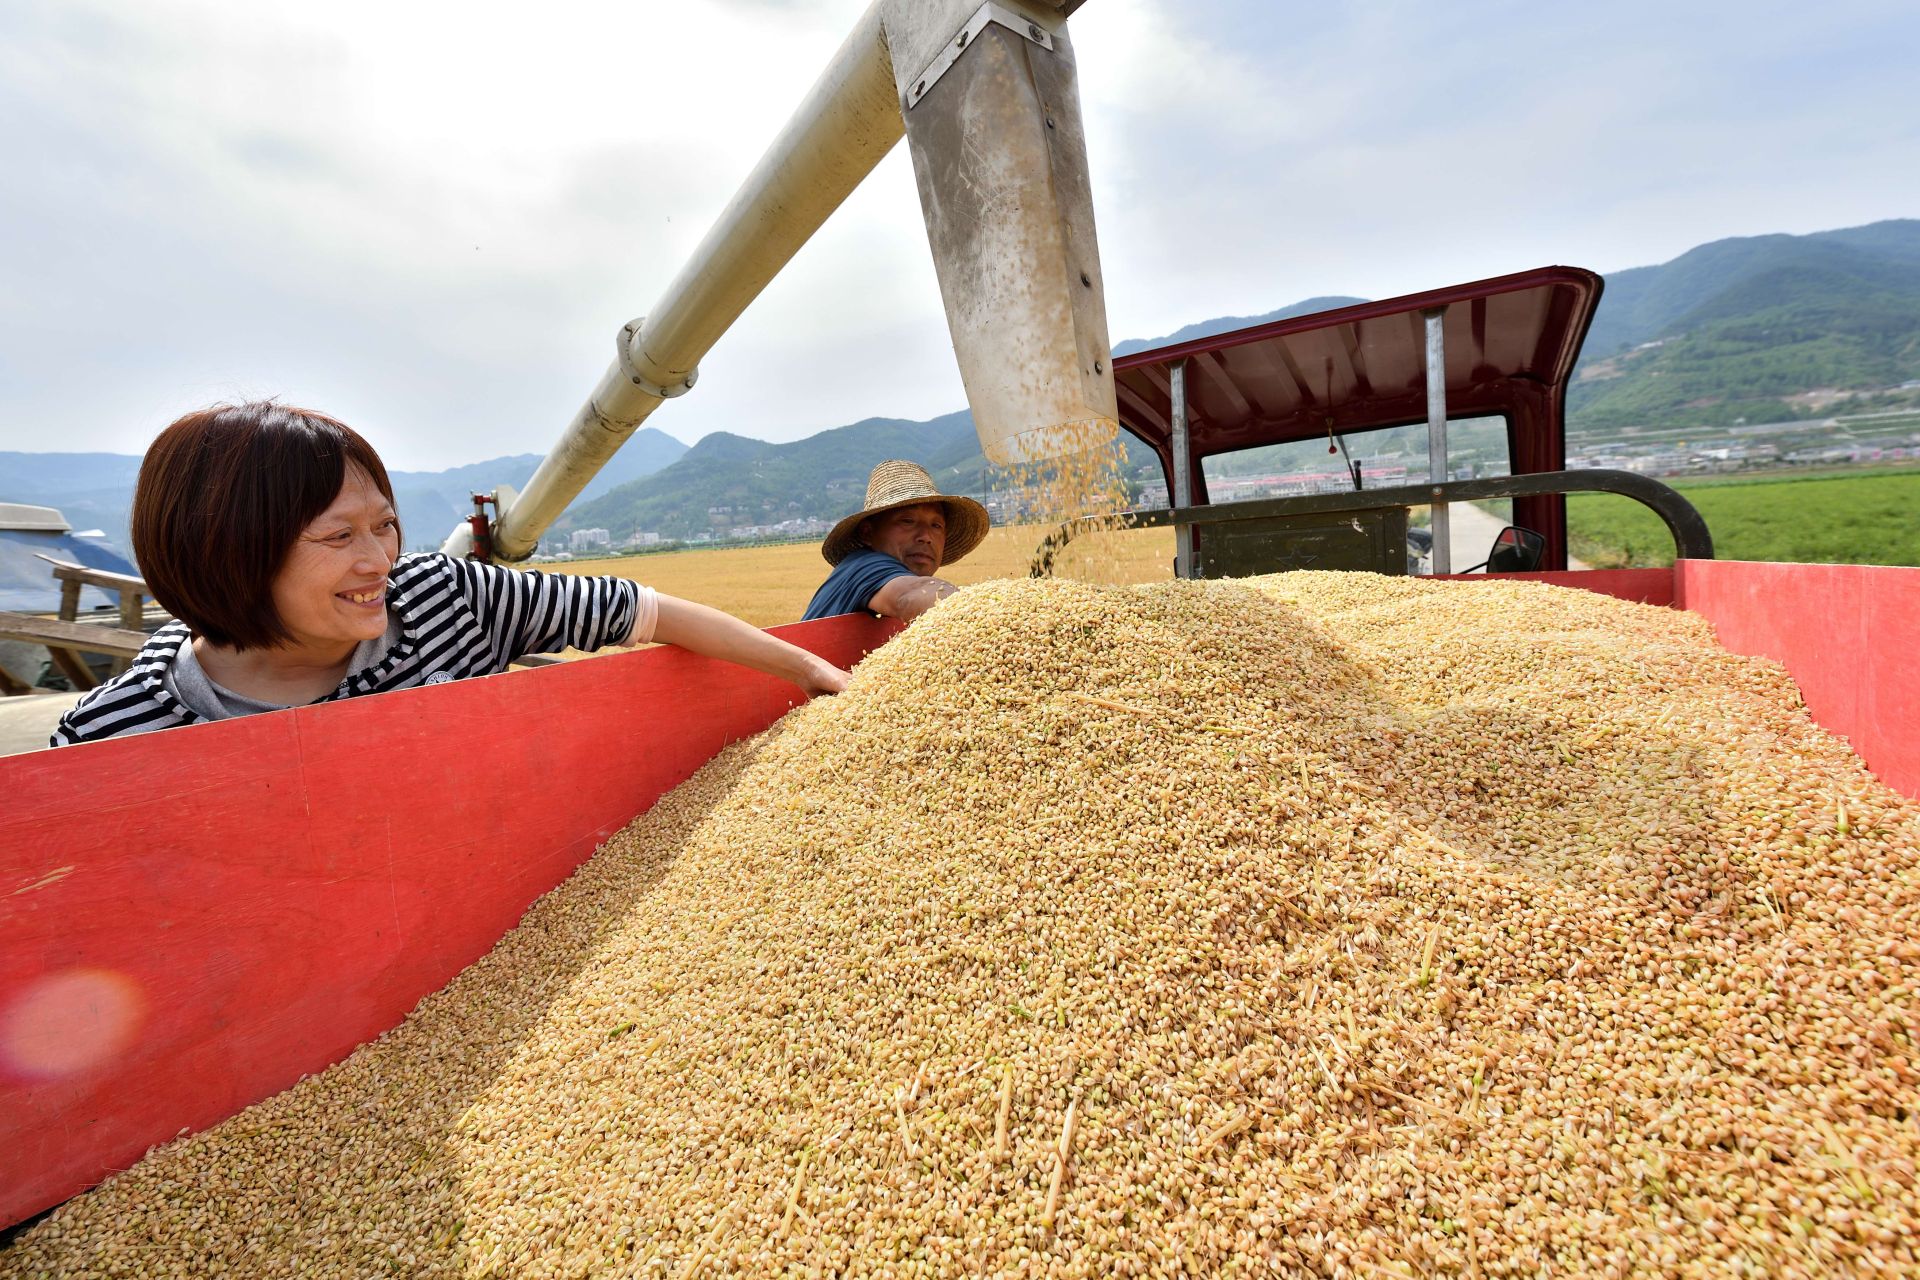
(727, 480)
(1736, 330)
(1745, 328)
(1760, 328)
(95, 490)
(432, 502)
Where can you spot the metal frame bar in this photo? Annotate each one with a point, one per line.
(1691, 539)
(1437, 470)
(1183, 566)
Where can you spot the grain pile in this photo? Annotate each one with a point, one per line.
(1320, 925)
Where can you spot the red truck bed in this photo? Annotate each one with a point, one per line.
(191, 924)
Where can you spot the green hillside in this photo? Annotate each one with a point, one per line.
(432, 502)
(727, 480)
(1739, 328)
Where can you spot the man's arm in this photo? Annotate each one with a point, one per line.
(714, 634)
(909, 595)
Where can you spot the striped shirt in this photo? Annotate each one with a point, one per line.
(457, 618)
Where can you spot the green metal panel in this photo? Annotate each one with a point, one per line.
(1374, 541)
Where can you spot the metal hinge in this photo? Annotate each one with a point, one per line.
(1018, 23)
(629, 335)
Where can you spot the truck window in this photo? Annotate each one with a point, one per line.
(1476, 448)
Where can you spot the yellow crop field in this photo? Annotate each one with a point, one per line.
(771, 585)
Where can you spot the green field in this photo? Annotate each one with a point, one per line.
(1862, 518)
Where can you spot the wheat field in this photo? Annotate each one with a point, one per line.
(771, 585)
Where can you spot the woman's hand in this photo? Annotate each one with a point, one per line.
(823, 678)
(714, 634)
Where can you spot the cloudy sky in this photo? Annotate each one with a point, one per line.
(430, 219)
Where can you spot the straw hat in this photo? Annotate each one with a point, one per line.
(895, 483)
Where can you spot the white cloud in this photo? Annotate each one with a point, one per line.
(432, 221)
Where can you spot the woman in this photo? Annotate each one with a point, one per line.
(270, 534)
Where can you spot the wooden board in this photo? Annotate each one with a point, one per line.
(67, 571)
(192, 920)
(53, 632)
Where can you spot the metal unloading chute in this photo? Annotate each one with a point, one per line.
(987, 97)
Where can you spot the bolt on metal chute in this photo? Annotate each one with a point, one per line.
(987, 97)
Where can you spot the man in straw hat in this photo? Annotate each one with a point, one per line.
(884, 555)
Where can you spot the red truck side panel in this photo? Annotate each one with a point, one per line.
(192, 920)
(184, 932)
(1642, 586)
(1849, 633)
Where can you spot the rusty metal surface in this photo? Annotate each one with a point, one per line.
(999, 155)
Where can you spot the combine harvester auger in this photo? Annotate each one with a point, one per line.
(193, 921)
(987, 100)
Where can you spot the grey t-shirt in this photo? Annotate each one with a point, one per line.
(188, 681)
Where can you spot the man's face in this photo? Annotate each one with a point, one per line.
(915, 536)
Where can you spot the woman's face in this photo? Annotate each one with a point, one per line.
(332, 591)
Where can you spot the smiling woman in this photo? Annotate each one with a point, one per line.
(270, 534)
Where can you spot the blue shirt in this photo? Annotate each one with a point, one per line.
(853, 583)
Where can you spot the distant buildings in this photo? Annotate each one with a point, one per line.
(806, 527)
(587, 539)
(1771, 446)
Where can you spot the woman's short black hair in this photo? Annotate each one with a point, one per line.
(222, 496)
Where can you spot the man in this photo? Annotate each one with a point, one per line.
(884, 555)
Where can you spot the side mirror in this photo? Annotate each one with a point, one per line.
(1516, 550)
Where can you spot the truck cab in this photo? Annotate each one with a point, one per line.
(1322, 441)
